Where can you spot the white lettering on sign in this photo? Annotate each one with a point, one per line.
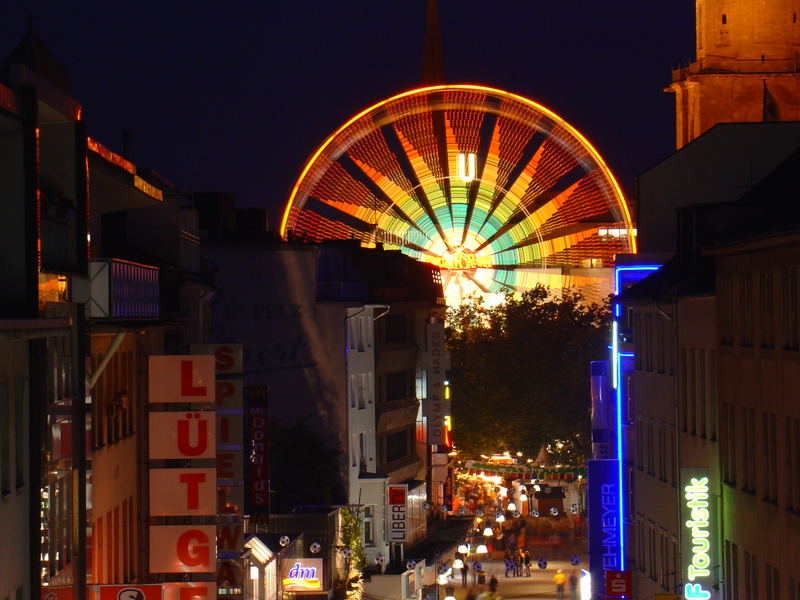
(466, 166)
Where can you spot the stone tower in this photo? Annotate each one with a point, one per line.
(747, 66)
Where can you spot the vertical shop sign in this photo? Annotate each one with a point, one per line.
(258, 459)
(605, 529)
(698, 549)
(397, 515)
(436, 405)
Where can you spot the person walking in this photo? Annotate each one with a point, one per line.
(527, 559)
(573, 585)
(493, 584)
(464, 573)
(559, 578)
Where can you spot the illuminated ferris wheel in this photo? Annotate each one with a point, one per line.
(498, 191)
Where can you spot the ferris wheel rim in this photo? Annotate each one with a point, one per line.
(585, 143)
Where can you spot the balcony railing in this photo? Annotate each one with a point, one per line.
(123, 290)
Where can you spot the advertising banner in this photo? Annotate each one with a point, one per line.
(130, 592)
(699, 553)
(397, 515)
(301, 574)
(227, 357)
(189, 590)
(230, 431)
(230, 500)
(229, 395)
(230, 538)
(605, 529)
(182, 434)
(181, 379)
(258, 459)
(176, 492)
(183, 549)
(436, 406)
(619, 584)
(57, 593)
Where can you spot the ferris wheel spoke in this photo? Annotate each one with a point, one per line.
(486, 173)
(393, 140)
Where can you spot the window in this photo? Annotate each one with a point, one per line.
(749, 448)
(369, 525)
(724, 19)
(768, 424)
(684, 390)
(726, 314)
(728, 443)
(692, 388)
(712, 395)
(790, 310)
(772, 582)
(731, 566)
(750, 576)
(396, 445)
(19, 432)
(395, 328)
(792, 461)
(766, 309)
(5, 440)
(397, 386)
(746, 310)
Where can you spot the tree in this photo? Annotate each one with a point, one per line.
(520, 372)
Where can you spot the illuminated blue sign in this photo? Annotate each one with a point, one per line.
(605, 519)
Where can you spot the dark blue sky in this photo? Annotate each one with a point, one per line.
(236, 95)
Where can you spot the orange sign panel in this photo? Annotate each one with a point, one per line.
(130, 592)
(183, 549)
(185, 435)
(181, 379)
(183, 492)
(189, 590)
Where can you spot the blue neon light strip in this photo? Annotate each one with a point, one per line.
(617, 384)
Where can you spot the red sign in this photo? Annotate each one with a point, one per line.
(397, 494)
(130, 592)
(258, 468)
(619, 584)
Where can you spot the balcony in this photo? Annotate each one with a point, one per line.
(123, 290)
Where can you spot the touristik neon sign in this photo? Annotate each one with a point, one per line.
(301, 578)
(698, 538)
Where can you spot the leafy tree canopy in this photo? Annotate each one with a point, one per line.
(520, 373)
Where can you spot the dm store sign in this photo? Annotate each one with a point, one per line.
(301, 574)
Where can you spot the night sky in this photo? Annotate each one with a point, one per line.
(235, 96)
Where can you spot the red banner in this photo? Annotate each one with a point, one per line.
(258, 457)
(619, 584)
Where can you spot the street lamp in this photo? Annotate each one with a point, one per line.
(463, 549)
(488, 532)
(511, 506)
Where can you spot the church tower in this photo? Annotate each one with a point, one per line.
(747, 67)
